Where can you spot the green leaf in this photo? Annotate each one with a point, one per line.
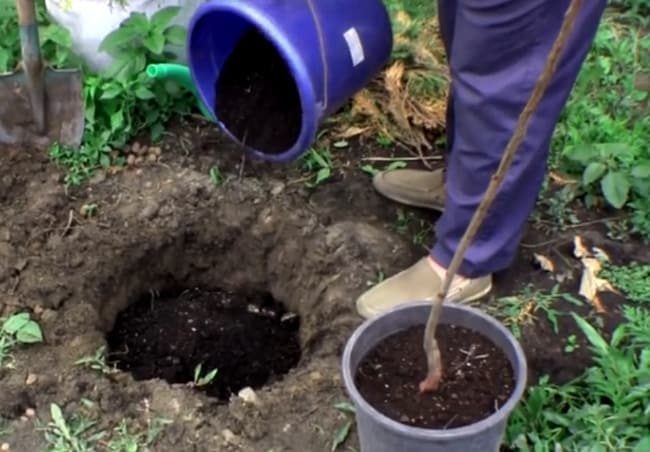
(345, 407)
(592, 335)
(341, 435)
(614, 149)
(117, 119)
(643, 445)
(197, 371)
(369, 169)
(154, 42)
(641, 171)
(176, 35)
(113, 41)
(160, 19)
(139, 63)
(137, 22)
(111, 92)
(593, 172)
(4, 60)
(156, 132)
(639, 96)
(322, 175)
(14, 323)
(119, 70)
(30, 333)
(583, 154)
(395, 165)
(144, 93)
(616, 188)
(105, 160)
(59, 420)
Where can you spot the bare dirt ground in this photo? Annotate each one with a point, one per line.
(77, 258)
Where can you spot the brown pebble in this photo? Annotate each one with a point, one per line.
(152, 157)
(30, 412)
(138, 160)
(31, 379)
(130, 160)
(155, 150)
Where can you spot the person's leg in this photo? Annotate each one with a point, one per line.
(424, 188)
(494, 75)
(498, 51)
(447, 23)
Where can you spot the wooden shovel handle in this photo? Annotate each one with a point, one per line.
(32, 61)
(26, 12)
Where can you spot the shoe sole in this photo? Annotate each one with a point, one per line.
(431, 206)
(366, 314)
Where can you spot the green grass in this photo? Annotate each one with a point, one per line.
(518, 311)
(81, 432)
(632, 279)
(605, 409)
(601, 138)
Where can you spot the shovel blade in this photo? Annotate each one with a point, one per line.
(64, 110)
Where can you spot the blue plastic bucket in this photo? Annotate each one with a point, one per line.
(332, 49)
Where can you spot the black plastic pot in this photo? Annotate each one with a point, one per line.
(378, 433)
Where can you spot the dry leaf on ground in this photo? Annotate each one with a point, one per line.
(590, 284)
(545, 263)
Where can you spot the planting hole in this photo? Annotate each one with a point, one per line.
(257, 99)
(248, 337)
(477, 378)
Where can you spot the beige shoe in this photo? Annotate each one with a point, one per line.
(417, 188)
(417, 283)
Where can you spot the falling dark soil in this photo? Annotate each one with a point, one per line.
(249, 338)
(477, 378)
(256, 96)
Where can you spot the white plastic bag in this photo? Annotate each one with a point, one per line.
(90, 21)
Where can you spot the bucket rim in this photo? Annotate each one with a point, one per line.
(501, 415)
(300, 74)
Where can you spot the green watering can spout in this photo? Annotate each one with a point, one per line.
(181, 75)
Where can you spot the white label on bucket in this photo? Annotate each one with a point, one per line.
(354, 44)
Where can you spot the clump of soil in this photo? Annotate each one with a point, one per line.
(256, 96)
(249, 338)
(477, 378)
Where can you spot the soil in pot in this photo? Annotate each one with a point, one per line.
(256, 96)
(477, 378)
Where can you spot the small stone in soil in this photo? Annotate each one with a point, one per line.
(477, 378)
